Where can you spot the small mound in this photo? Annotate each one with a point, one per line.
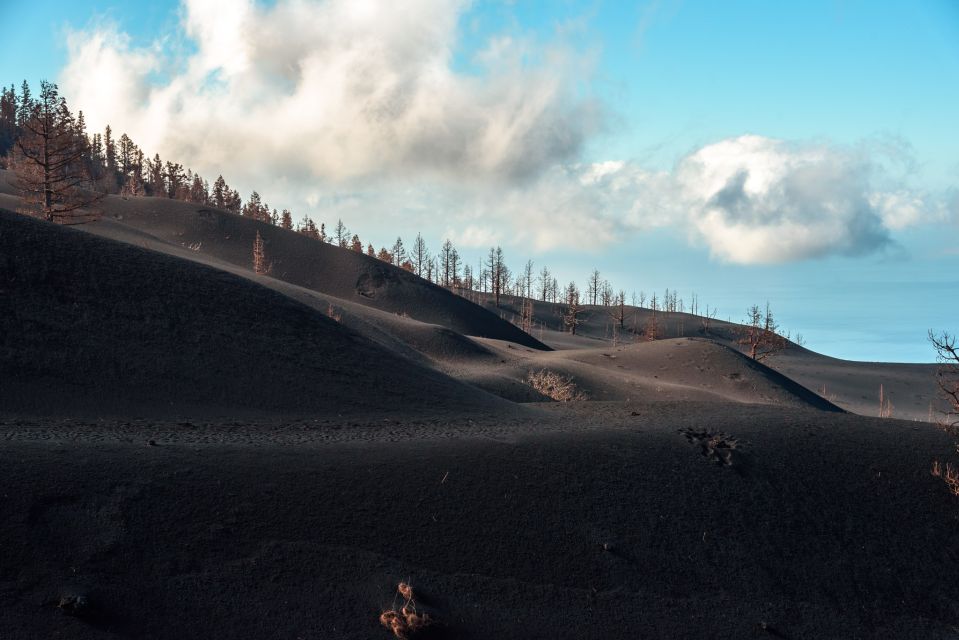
(708, 365)
(92, 327)
(683, 369)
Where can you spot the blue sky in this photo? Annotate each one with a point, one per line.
(866, 91)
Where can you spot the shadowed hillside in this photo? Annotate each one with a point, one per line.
(294, 258)
(92, 327)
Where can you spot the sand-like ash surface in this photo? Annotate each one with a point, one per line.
(687, 520)
(191, 450)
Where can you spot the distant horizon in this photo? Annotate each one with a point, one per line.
(655, 144)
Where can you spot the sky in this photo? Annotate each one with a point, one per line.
(805, 154)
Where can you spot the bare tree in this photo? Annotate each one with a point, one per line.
(545, 283)
(420, 255)
(617, 309)
(259, 255)
(527, 315)
(947, 353)
(446, 263)
(593, 286)
(341, 235)
(398, 252)
(573, 308)
(652, 330)
(759, 334)
(498, 273)
(707, 319)
(606, 293)
(528, 278)
(49, 164)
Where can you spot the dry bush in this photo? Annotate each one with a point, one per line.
(949, 475)
(885, 404)
(332, 312)
(831, 397)
(555, 386)
(406, 622)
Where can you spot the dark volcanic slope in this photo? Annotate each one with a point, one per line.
(94, 327)
(302, 261)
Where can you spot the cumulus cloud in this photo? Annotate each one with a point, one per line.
(758, 200)
(358, 109)
(333, 90)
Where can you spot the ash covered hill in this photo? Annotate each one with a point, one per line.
(93, 327)
(294, 258)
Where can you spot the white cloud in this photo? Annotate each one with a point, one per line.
(355, 109)
(332, 90)
(758, 200)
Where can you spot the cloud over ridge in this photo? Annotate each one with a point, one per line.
(339, 89)
(309, 97)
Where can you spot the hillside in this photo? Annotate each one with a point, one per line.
(95, 327)
(853, 386)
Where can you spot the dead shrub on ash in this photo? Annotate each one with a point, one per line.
(555, 386)
(406, 622)
(949, 475)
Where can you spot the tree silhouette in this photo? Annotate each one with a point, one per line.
(50, 163)
(759, 335)
(420, 255)
(947, 352)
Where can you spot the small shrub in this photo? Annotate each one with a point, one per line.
(406, 622)
(333, 313)
(949, 475)
(555, 386)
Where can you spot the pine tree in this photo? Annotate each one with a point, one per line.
(175, 179)
(286, 219)
(25, 108)
(370, 251)
(8, 120)
(234, 203)
(253, 206)
(220, 191)
(110, 151)
(198, 192)
(356, 245)
(125, 157)
(51, 165)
